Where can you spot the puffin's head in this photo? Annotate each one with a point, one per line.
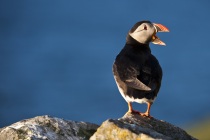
(145, 32)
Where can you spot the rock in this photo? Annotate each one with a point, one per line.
(136, 127)
(48, 128)
(129, 127)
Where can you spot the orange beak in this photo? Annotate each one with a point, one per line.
(159, 28)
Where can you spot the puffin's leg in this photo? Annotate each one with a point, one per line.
(130, 109)
(147, 113)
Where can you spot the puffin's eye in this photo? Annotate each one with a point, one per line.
(145, 27)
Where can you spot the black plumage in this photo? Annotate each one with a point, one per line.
(137, 72)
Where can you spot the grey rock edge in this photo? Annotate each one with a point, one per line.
(48, 128)
(129, 127)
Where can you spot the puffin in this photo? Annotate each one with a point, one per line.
(136, 70)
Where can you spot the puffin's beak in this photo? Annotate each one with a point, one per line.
(159, 28)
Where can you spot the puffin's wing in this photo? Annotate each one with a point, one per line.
(137, 84)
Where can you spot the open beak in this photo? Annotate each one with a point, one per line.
(159, 28)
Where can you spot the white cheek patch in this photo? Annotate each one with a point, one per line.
(134, 35)
(137, 33)
(137, 36)
(143, 33)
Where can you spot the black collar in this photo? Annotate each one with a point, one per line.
(130, 41)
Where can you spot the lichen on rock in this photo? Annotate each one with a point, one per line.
(129, 127)
(136, 127)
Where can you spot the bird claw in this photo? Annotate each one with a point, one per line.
(133, 112)
(139, 113)
(146, 115)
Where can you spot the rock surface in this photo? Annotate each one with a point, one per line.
(129, 127)
(136, 127)
(48, 128)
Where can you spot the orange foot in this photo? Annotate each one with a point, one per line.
(146, 115)
(134, 112)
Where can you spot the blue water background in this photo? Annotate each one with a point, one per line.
(56, 58)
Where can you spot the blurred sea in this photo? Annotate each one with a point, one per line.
(56, 58)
